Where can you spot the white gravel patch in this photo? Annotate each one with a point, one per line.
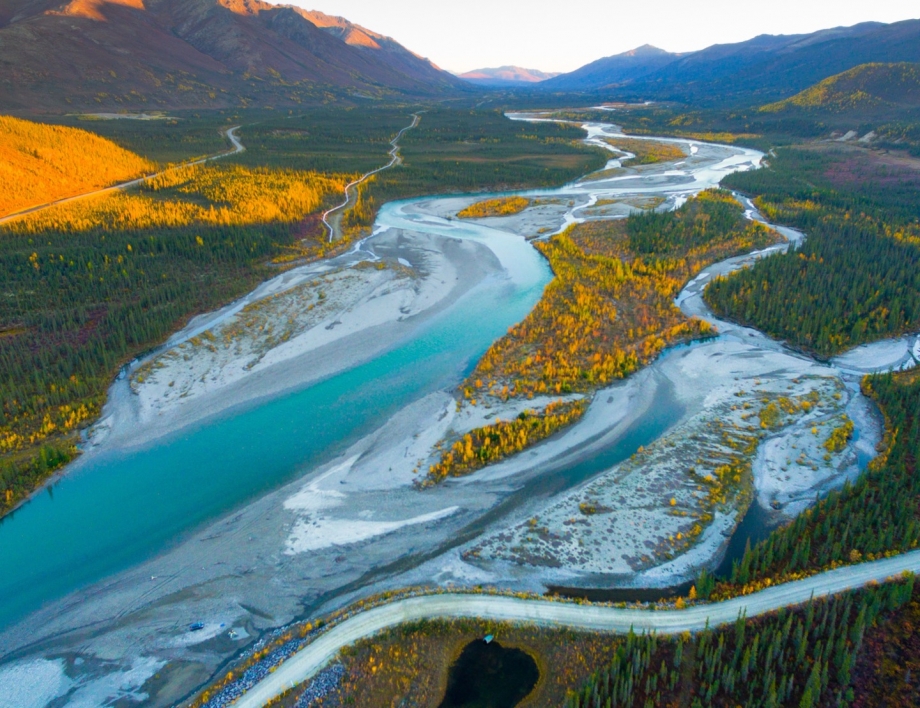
(892, 354)
(33, 684)
(120, 685)
(314, 534)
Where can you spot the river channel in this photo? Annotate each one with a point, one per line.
(78, 556)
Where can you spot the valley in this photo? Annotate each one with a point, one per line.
(329, 377)
(297, 525)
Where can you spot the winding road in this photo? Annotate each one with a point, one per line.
(230, 134)
(350, 191)
(312, 658)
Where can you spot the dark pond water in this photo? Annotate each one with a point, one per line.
(490, 676)
(620, 594)
(755, 526)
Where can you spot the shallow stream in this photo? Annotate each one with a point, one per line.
(118, 507)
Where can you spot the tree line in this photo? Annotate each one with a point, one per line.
(854, 280)
(803, 657)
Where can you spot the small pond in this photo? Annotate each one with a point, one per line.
(488, 675)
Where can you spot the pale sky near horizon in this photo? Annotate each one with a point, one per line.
(554, 36)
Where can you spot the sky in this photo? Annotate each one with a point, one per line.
(560, 35)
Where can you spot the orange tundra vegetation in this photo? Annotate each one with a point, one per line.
(503, 438)
(609, 310)
(505, 206)
(648, 152)
(42, 163)
(200, 194)
(611, 306)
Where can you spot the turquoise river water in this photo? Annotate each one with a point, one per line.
(117, 508)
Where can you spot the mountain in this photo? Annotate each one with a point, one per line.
(506, 76)
(105, 54)
(764, 69)
(617, 69)
(377, 47)
(866, 89)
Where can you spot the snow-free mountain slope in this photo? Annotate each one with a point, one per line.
(764, 69)
(108, 54)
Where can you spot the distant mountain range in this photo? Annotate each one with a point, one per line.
(107, 54)
(506, 76)
(766, 68)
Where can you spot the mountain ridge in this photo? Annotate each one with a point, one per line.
(59, 54)
(764, 69)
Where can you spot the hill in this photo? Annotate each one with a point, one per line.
(130, 54)
(617, 69)
(42, 163)
(761, 70)
(506, 76)
(869, 88)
